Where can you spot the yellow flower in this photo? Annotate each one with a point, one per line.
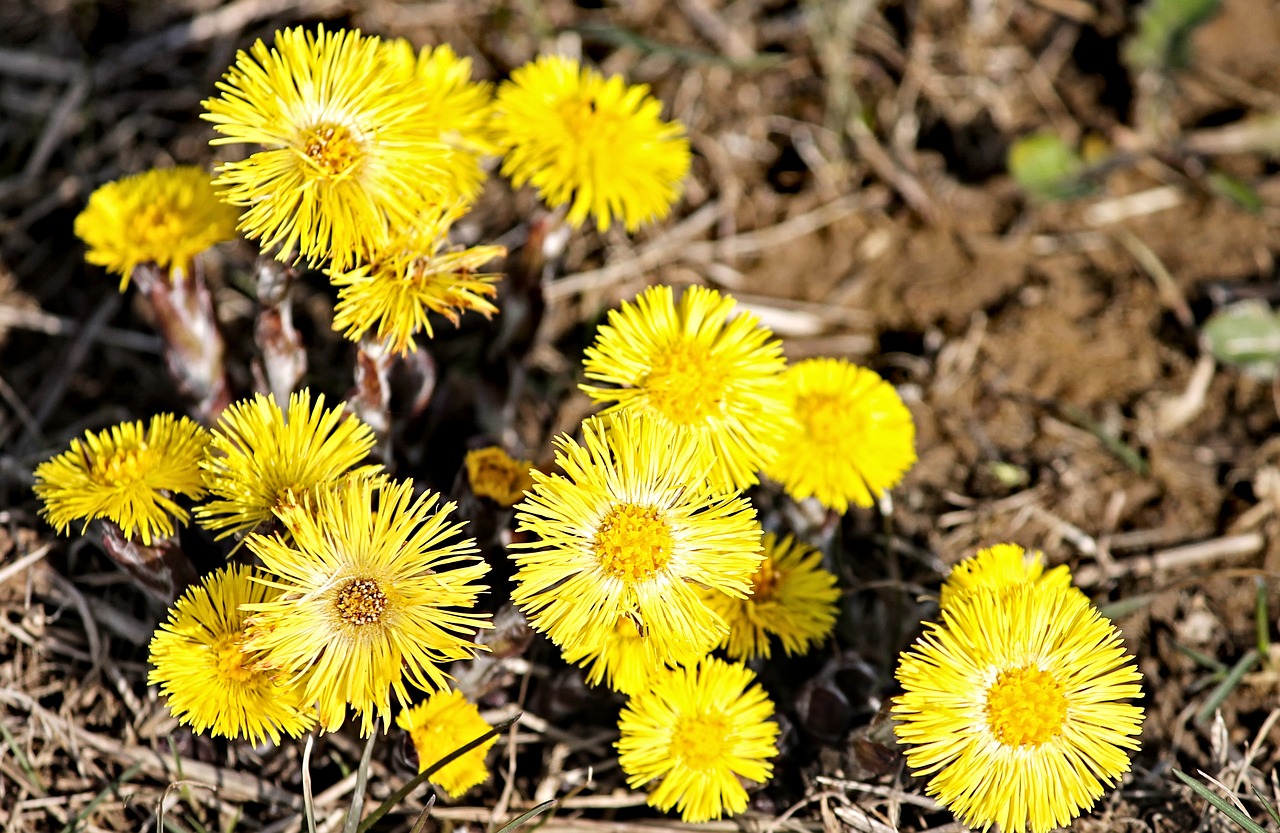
(495, 474)
(346, 150)
(998, 568)
(456, 108)
(126, 474)
(794, 598)
(1012, 704)
(632, 529)
(370, 594)
(620, 659)
(445, 722)
(164, 216)
(854, 437)
(691, 366)
(700, 730)
(263, 461)
(211, 683)
(412, 276)
(598, 143)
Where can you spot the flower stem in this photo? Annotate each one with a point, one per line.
(284, 360)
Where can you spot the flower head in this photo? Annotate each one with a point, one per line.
(414, 275)
(793, 598)
(346, 152)
(1013, 705)
(998, 568)
(853, 439)
(633, 529)
(210, 681)
(446, 722)
(495, 474)
(699, 729)
(455, 107)
(593, 141)
(264, 460)
(127, 474)
(691, 366)
(619, 658)
(164, 216)
(373, 591)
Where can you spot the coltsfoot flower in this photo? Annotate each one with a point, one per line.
(210, 681)
(412, 276)
(456, 108)
(700, 730)
(633, 529)
(1013, 704)
(619, 658)
(375, 588)
(127, 474)
(593, 142)
(853, 438)
(793, 598)
(717, 379)
(346, 153)
(263, 460)
(1000, 567)
(164, 216)
(446, 722)
(495, 474)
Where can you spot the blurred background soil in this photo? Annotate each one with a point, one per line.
(850, 186)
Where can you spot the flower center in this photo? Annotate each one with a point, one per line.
(158, 223)
(633, 543)
(332, 149)
(361, 602)
(687, 384)
(700, 741)
(1026, 707)
(229, 658)
(825, 419)
(587, 123)
(765, 582)
(123, 468)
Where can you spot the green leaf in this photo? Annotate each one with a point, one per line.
(1047, 168)
(1246, 335)
(1232, 189)
(1220, 694)
(1163, 40)
(1228, 809)
(517, 822)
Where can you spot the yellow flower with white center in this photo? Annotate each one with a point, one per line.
(346, 154)
(594, 142)
(700, 730)
(210, 682)
(446, 722)
(375, 589)
(631, 529)
(263, 460)
(715, 378)
(792, 598)
(127, 474)
(1013, 704)
(414, 275)
(164, 216)
(998, 568)
(853, 438)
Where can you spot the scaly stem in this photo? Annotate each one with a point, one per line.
(193, 341)
(162, 569)
(284, 361)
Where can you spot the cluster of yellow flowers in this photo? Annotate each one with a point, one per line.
(1012, 703)
(641, 556)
